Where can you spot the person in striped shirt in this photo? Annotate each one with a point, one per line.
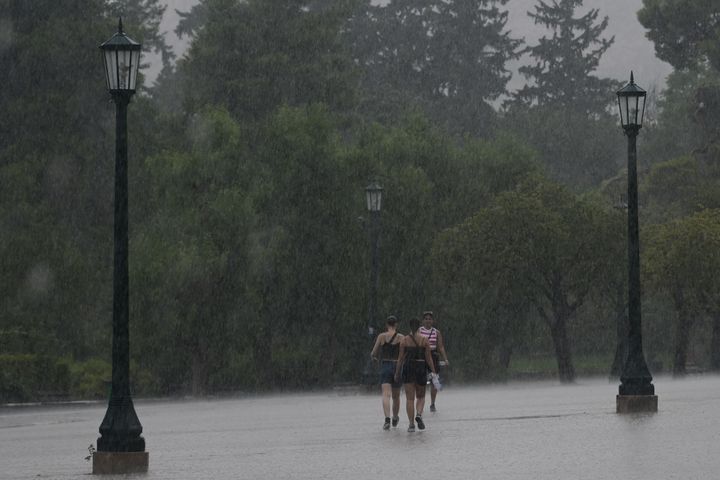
(437, 349)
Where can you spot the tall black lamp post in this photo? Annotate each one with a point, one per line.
(636, 392)
(373, 195)
(120, 448)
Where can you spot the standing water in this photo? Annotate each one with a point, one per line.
(515, 431)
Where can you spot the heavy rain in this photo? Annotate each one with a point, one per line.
(359, 239)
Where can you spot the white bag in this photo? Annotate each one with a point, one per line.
(436, 381)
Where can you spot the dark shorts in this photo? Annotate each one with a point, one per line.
(436, 361)
(387, 374)
(414, 372)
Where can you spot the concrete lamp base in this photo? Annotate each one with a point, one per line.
(120, 462)
(637, 404)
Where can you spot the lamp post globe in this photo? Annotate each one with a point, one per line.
(373, 196)
(631, 103)
(121, 55)
(636, 391)
(120, 448)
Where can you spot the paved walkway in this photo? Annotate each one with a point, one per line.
(516, 431)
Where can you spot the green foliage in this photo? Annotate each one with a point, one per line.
(45, 148)
(672, 187)
(56, 200)
(249, 248)
(262, 54)
(531, 367)
(685, 32)
(534, 249)
(25, 377)
(446, 57)
(564, 111)
(189, 251)
(682, 261)
(689, 110)
(564, 63)
(91, 379)
(309, 209)
(683, 255)
(575, 149)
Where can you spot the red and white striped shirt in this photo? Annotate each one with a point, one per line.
(431, 334)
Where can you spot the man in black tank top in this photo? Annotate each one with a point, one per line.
(387, 346)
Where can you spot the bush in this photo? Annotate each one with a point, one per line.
(91, 379)
(27, 377)
(17, 378)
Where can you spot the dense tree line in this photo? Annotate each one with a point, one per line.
(248, 160)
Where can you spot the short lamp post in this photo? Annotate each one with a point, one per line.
(373, 196)
(636, 392)
(121, 447)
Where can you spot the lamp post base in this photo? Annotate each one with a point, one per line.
(637, 403)
(105, 463)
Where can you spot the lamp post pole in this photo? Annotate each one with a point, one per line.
(374, 268)
(120, 429)
(621, 316)
(120, 448)
(636, 391)
(373, 195)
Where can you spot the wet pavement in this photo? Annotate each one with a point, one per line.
(515, 431)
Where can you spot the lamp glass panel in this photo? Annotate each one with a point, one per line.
(641, 109)
(623, 106)
(374, 198)
(634, 113)
(111, 69)
(134, 65)
(124, 67)
(121, 69)
(632, 109)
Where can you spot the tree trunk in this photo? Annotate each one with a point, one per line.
(504, 355)
(682, 341)
(199, 372)
(715, 343)
(262, 356)
(566, 371)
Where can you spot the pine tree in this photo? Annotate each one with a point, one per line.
(253, 56)
(56, 154)
(564, 110)
(445, 56)
(561, 74)
(685, 32)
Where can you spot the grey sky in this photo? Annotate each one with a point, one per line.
(631, 50)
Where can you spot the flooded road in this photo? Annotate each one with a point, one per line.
(515, 431)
